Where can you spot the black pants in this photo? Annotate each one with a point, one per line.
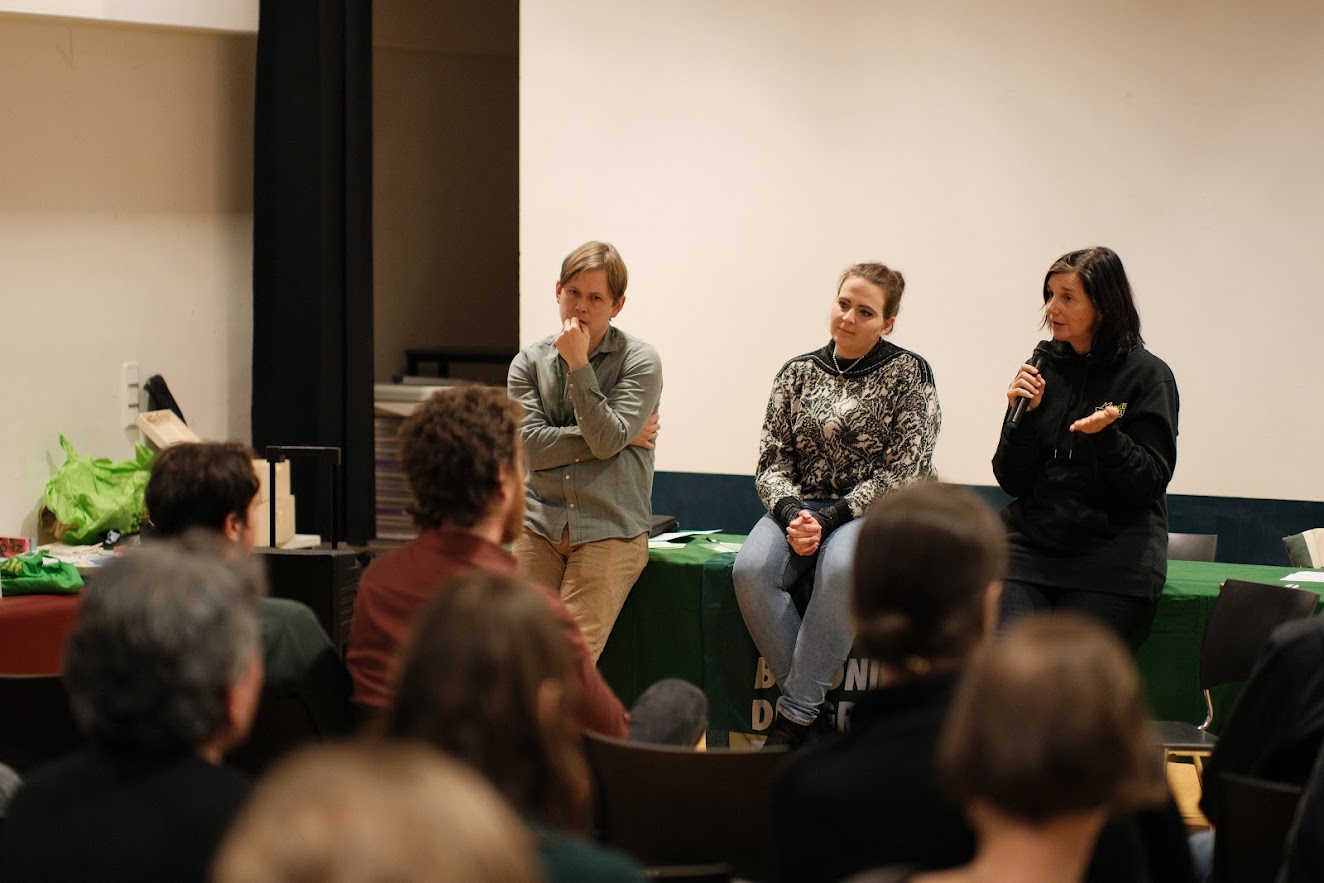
(1121, 613)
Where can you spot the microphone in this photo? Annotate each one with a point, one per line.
(1036, 360)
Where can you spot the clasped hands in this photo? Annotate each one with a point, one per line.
(804, 534)
(1030, 384)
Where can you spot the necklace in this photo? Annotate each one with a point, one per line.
(841, 372)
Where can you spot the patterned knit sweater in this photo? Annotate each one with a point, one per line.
(850, 437)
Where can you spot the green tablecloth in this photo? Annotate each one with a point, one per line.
(682, 620)
(659, 632)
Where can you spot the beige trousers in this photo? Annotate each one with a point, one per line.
(593, 578)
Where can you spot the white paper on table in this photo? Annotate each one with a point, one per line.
(1305, 576)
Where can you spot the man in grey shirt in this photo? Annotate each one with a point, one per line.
(590, 396)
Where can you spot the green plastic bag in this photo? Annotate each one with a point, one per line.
(89, 497)
(34, 573)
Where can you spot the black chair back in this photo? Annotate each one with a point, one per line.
(693, 812)
(1192, 546)
(1244, 616)
(36, 724)
(281, 724)
(1256, 817)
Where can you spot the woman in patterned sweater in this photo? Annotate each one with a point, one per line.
(845, 424)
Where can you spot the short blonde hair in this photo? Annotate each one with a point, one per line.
(375, 811)
(597, 256)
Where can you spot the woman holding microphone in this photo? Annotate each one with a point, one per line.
(1089, 459)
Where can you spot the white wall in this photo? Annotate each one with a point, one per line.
(223, 15)
(125, 235)
(741, 153)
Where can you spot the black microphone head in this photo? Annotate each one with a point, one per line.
(1042, 350)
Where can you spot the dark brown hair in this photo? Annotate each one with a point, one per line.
(925, 558)
(1050, 721)
(452, 450)
(890, 281)
(1104, 279)
(198, 485)
(471, 682)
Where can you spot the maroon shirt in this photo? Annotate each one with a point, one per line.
(397, 585)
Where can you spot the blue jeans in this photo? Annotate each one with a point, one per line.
(804, 655)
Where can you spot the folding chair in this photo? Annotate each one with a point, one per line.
(685, 813)
(1244, 616)
(1192, 546)
(36, 724)
(1249, 843)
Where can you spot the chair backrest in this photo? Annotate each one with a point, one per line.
(1244, 616)
(36, 724)
(670, 806)
(1192, 546)
(281, 724)
(1256, 817)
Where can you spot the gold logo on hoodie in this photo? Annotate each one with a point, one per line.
(1120, 406)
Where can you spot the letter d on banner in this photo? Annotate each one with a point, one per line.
(761, 715)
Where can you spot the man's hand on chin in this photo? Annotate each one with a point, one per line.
(572, 343)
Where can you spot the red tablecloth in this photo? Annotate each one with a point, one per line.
(33, 632)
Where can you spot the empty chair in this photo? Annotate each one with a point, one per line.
(1192, 546)
(1244, 616)
(1256, 819)
(683, 812)
(36, 724)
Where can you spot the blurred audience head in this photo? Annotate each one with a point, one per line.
(670, 712)
(487, 678)
(928, 570)
(375, 812)
(209, 485)
(1048, 722)
(165, 653)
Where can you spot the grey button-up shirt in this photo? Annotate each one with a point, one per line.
(587, 475)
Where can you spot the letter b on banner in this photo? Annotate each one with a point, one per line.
(763, 678)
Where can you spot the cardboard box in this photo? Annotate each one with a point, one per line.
(264, 475)
(284, 522)
(164, 429)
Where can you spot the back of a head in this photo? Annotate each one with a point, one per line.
(375, 812)
(925, 559)
(486, 677)
(161, 633)
(196, 485)
(1050, 721)
(452, 449)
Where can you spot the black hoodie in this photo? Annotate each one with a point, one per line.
(1091, 511)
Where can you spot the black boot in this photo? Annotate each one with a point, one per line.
(785, 731)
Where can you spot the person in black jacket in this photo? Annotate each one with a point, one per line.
(1090, 460)
(924, 595)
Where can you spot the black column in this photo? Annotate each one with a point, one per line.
(312, 248)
